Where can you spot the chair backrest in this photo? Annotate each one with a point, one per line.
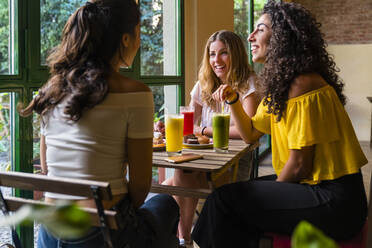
(35, 182)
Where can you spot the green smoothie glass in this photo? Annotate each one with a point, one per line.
(221, 127)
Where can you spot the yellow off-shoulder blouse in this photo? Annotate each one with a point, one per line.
(315, 118)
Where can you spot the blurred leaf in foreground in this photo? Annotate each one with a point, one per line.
(306, 235)
(65, 220)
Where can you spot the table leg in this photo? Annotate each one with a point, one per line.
(235, 172)
(210, 181)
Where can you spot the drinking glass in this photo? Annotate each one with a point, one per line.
(188, 119)
(221, 127)
(174, 134)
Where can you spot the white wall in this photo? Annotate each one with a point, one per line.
(355, 63)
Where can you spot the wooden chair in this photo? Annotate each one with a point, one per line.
(106, 219)
(362, 240)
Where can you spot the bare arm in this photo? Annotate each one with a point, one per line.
(249, 104)
(197, 112)
(298, 166)
(140, 169)
(44, 166)
(300, 162)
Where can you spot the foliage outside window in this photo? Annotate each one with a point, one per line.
(4, 37)
(4, 131)
(53, 16)
(152, 37)
(241, 14)
(8, 38)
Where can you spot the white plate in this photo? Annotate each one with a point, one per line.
(160, 147)
(197, 146)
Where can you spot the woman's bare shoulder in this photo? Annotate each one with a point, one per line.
(122, 84)
(305, 83)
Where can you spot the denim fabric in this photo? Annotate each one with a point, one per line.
(153, 225)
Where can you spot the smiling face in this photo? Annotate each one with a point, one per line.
(260, 38)
(219, 59)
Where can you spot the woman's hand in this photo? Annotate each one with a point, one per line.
(224, 93)
(198, 130)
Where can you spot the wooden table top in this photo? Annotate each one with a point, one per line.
(211, 161)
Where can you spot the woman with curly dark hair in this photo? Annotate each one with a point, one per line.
(97, 124)
(316, 155)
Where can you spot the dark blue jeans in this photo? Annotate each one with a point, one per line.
(156, 222)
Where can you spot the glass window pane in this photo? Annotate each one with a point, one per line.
(241, 9)
(6, 144)
(165, 97)
(8, 38)
(159, 38)
(258, 7)
(53, 17)
(158, 92)
(38, 195)
(5, 131)
(36, 140)
(241, 14)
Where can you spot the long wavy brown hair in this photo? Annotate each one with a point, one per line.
(81, 64)
(239, 71)
(296, 47)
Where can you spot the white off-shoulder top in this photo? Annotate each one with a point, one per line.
(94, 148)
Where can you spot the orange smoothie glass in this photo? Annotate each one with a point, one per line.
(174, 134)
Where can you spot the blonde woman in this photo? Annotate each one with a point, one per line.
(225, 61)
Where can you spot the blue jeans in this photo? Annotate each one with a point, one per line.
(157, 222)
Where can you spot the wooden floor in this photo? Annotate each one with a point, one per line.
(265, 167)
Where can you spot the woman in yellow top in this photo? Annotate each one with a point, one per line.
(315, 152)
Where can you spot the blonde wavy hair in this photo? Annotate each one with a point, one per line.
(239, 71)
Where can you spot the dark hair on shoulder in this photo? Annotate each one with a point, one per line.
(296, 47)
(80, 65)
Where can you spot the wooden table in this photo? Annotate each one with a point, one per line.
(213, 164)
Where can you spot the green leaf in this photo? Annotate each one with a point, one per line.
(8, 167)
(306, 235)
(64, 220)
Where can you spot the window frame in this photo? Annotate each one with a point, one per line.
(32, 75)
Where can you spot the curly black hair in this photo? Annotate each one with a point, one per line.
(296, 47)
